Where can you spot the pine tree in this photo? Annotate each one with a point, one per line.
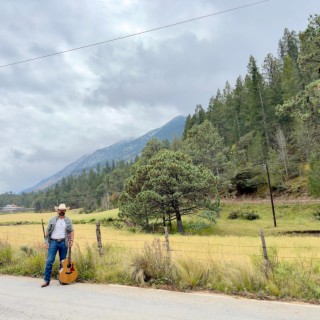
(216, 112)
(205, 147)
(256, 107)
(168, 183)
(290, 80)
(187, 126)
(289, 46)
(239, 100)
(309, 57)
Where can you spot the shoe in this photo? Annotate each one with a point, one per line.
(45, 284)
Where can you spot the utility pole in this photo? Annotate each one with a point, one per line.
(266, 162)
(271, 196)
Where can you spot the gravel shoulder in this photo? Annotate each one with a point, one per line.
(22, 298)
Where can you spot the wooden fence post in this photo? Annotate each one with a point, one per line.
(167, 243)
(98, 233)
(265, 254)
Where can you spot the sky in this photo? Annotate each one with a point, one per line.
(55, 110)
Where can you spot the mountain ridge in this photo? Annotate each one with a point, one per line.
(122, 150)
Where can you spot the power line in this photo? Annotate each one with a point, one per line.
(133, 35)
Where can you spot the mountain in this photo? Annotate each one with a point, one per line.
(124, 150)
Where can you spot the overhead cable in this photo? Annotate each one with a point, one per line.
(132, 35)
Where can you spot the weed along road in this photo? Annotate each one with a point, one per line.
(22, 298)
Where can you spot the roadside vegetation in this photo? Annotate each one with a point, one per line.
(225, 256)
(296, 279)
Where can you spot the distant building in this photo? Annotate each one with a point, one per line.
(11, 208)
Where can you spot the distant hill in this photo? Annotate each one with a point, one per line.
(124, 150)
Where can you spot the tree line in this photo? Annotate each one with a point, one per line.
(271, 116)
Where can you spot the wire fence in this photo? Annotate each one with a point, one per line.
(205, 249)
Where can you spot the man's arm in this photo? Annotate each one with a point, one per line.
(46, 235)
(46, 240)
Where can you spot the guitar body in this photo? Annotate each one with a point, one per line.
(68, 272)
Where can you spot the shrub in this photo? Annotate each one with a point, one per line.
(317, 215)
(250, 215)
(314, 175)
(29, 251)
(152, 265)
(197, 225)
(233, 215)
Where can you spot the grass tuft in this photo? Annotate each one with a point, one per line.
(191, 274)
(152, 265)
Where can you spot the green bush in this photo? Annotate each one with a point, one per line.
(314, 175)
(250, 215)
(29, 251)
(317, 215)
(233, 215)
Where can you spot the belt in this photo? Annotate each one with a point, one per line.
(58, 240)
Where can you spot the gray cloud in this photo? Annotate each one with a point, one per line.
(55, 110)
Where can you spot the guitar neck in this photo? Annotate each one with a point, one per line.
(69, 254)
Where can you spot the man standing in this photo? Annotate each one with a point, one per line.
(58, 237)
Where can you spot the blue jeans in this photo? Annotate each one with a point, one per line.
(54, 247)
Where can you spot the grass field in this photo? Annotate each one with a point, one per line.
(226, 256)
(73, 214)
(289, 217)
(227, 239)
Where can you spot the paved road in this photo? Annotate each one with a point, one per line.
(22, 298)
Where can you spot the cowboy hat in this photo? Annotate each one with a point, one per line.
(62, 206)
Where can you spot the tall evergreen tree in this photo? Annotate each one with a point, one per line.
(309, 57)
(187, 126)
(216, 112)
(256, 107)
(304, 109)
(199, 115)
(272, 79)
(239, 100)
(290, 80)
(289, 45)
(206, 147)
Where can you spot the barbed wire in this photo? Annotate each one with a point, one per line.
(209, 253)
(12, 236)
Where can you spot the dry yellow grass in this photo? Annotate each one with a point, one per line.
(73, 214)
(200, 248)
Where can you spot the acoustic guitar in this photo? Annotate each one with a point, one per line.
(68, 272)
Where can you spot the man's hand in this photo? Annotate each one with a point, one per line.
(70, 243)
(46, 245)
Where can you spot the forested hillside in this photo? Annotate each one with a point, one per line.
(269, 118)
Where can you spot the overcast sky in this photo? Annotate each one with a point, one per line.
(55, 110)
